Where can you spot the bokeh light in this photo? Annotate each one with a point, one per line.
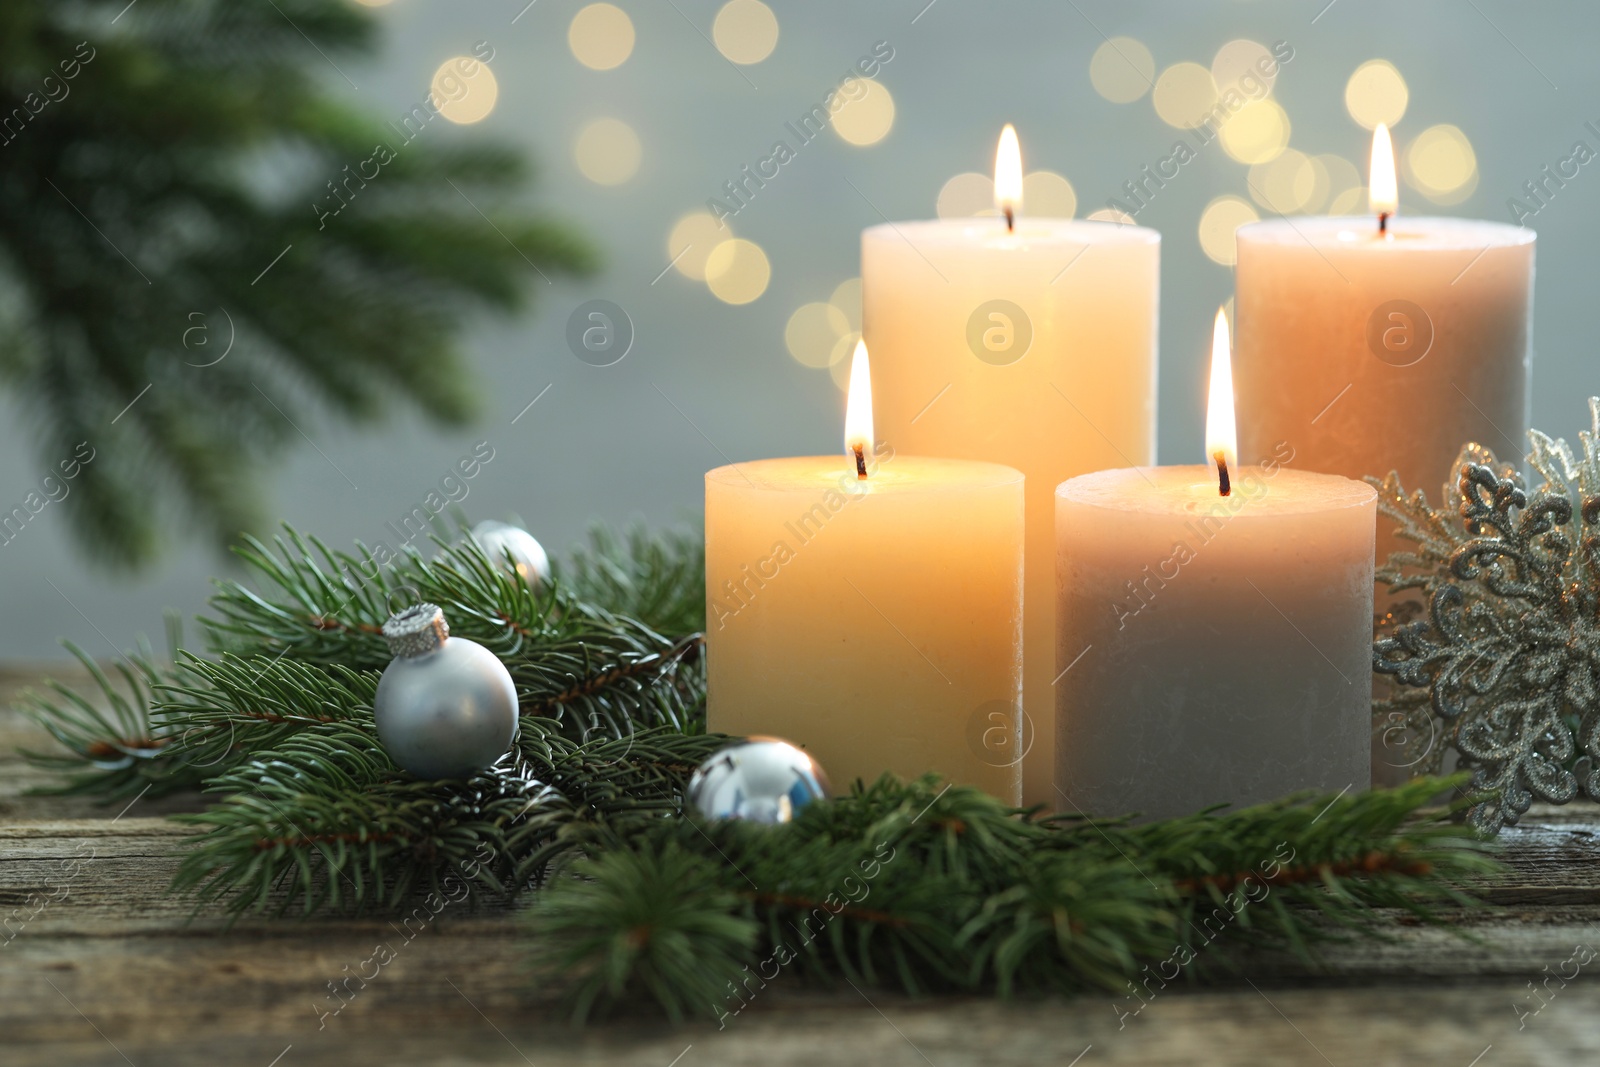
(1350, 202)
(867, 119)
(1047, 195)
(1441, 165)
(1221, 217)
(839, 369)
(1122, 70)
(1238, 65)
(1111, 214)
(1257, 132)
(1184, 95)
(464, 90)
(965, 195)
(608, 151)
(737, 271)
(601, 36)
(1289, 184)
(1376, 93)
(846, 297)
(813, 331)
(1343, 177)
(746, 31)
(690, 243)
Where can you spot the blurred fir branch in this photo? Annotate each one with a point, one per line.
(159, 169)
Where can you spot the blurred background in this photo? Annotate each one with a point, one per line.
(633, 117)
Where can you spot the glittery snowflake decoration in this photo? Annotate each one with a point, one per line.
(1504, 661)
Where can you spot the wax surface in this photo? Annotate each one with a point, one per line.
(1214, 650)
(1080, 398)
(1329, 358)
(876, 624)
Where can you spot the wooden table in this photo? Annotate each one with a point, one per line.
(116, 971)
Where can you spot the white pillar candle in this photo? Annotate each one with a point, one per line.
(1034, 347)
(876, 622)
(1373, 351)
(1213, 649)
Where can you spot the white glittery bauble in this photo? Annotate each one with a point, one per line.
(528, 557)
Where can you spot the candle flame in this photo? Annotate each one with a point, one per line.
(1008, 175)
(1222, 436)
(1383, 191)
(858, 409)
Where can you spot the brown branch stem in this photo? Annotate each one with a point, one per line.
(1374, 862)
(657, 663)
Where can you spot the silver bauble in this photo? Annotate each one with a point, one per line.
(761, 780)
(446, 707)
(527, 557)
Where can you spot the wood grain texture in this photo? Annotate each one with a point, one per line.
(100, 965)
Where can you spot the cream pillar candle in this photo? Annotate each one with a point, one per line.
(876, 622)
(1213, 649)
(1034, 347)
(1373, 351)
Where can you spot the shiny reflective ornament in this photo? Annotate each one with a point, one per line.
(527, 557)
(761, 780)
(446, 706)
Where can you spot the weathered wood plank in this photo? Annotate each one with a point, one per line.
(252, 1010)
(113, 969)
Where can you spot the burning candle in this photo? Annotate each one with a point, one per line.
(868, 608)
(1024, 341)
(1384, 343)
(1214, 629)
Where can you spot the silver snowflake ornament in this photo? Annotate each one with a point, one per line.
(1505, 658)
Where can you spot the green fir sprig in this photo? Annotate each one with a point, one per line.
(323, 819)
(922, 887)
(316, 615)
(915, 886)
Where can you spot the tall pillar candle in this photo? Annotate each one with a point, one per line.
(1385, 343)
(875, 621)
(1374, 348)
(1034, 347)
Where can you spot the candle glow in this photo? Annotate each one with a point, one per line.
(1222, 437)
(1008, 175)
(858, 409)
(1383, 190)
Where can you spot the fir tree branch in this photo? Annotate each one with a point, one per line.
(317, 615)
(112, 748)
(314, 813)
(656, 577)
(909, 887)
(590, 668)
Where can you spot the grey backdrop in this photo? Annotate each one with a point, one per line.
(608, 443)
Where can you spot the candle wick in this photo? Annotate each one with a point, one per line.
(1383, 222)
(1224, 487)
(1011, 219)
(861, 463)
